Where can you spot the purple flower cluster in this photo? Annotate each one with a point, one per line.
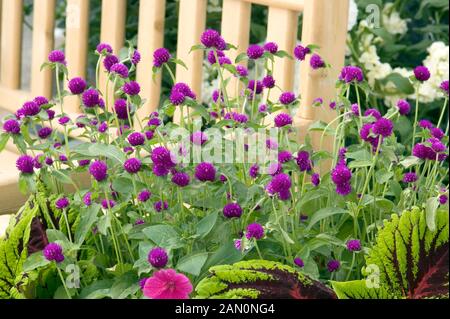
(132, 165)
(77, 85)
(403, 107)
(161, 56)
(304, 162)
(53, 252)
(212, 39)
(333, 265)
(410, 177)
(341, 177)
(254, 171)
(354, 245)
(181, 179)
(179, 93)
(205, 172)
(62, 203)
(422, 74)
(144, 196)
(351, 74)
(90, 98)
(255, 52)
(136, 139)
(317, 62)
(120, 69)
(11, 126)
(287, 98)
(255, 231)
(281, 185)
(131, 88)
(301, 52)
(99, 170)
(232, 210)
(25, 164)
(57, 57)
(271, 47)
(161, 206)
(158, 257)
(162, 160)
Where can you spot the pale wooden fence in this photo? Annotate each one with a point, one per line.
(324, 24)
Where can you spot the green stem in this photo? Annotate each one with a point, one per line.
(63, 282)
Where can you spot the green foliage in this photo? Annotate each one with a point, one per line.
(262, 279)
(412, 260)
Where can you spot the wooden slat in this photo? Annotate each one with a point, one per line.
(11, 99)
(11, 43)
(77, 31)
(191, 24)
(324, 24)
(43, 39)
(150, 38)
(295, 5)
(112, 32)
(282, 29)
(236, 17)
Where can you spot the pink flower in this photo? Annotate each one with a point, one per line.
(168, 284)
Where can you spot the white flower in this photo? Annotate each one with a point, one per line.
(392, 21)
(352, 15)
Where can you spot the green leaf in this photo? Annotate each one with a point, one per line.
(359, 164)
(192, 264)
(431, 208)
(325, 213)
(62, 176)
(163, 236)
(179, 62)
(410, 161)
(283, 54)
(205, 226)
(35, 261)
(383, 176)
(3, 141)
(88, 217)
(402, 83)
(197, 47)
(241, 57)
(359, 289)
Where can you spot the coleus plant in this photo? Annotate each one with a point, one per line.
(158, 207)
(407, 261)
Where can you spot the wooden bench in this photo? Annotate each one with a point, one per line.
(324, 24)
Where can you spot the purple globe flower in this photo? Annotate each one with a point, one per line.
(25, 164)
(99, 170)
(344, 189)
(443, 199)
(262, 108)
(333, 265)
(425, 124)
(423, 152)
(40, 100)
(181, 179)
(31, 108)
(366, 131)
(210, 38)
(136, 139)
(275, 169)
(49, 161)
(287, 98)
(120, 69)
(161, 156)
(341, 174)
(57, 57)
(62, 203)
(50, 114)
(255, 86)
(317, 62)
(158, 257)
(242, 71)
(271, 144)
(87, 199)
(410, 177)
(403, 107)
(284, 157)
(238, 244)
(351, 74)
(132, 165)
(104, 48)
(121, 109)
(436, 132)
(205, 172)
(436, 145)
(422, 73)
(444, 87)
(144, 196)
(161, 206)
(109, 61)
(161, 56)
(212, 56)
(271, 47)
(255, 52)
(269, 82)
(299, 262)
(374, 113)
(131, 88)
(103, 127)
(160, 170)
(282, 120)
(63, 158)
(304, 162)
(83, 163)
(255, 231)
(383, 127)
(354, 245)
(53, 252)
(108, 204)
(177, 98)
(300, 52)
(280, 183)
(11, 126)
(315, 179)
(64, 120)
(45, 132)
(199, 138)
(136, 57)
(232, 210)
(77, 85)
(254, 171)
(90, 98)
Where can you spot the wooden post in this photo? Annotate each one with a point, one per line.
(236, 18)
(77, 31)
(191, 24)
(150, 38)
(113, 33)
(43, 30)
(11, 43)
(324, 24)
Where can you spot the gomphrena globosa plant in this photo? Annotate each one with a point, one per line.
(145, 206)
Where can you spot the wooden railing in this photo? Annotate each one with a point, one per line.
(324, 24)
